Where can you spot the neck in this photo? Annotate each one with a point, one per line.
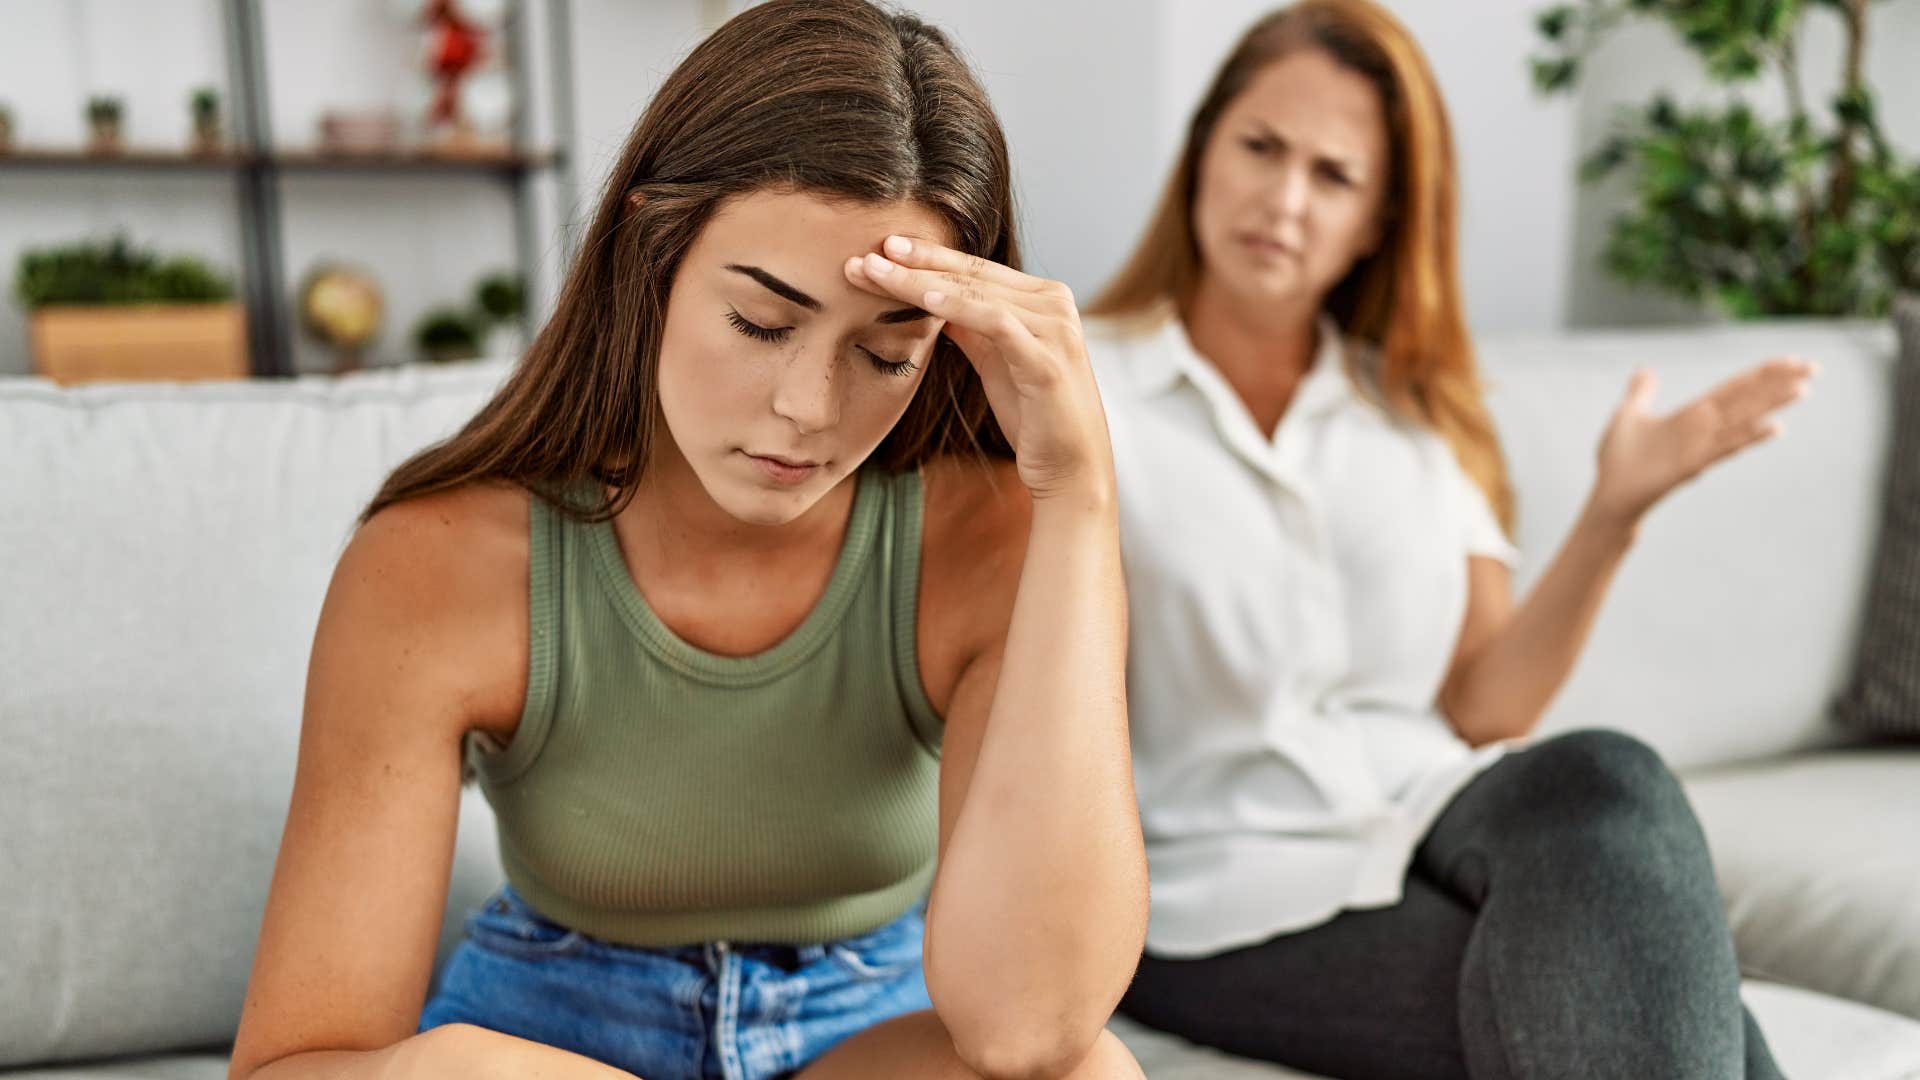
(1263, 352)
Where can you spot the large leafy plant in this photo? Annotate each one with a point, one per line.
(1812, 214)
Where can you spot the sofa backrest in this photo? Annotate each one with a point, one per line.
(163, 555)
(1733, 621)
(164, 551)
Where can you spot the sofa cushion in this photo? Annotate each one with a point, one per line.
(1819, 862)
(166, 552)
(170, 1067)
(1755, 574)
(1812, 1036)
(1884, 696)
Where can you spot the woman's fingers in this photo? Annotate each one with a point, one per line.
(1640, 391)
(1736, 438)
(920, 254)
(990, 310)
(1762, 389)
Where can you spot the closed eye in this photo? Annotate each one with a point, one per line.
(755, 330)
(902, 368)
(1337, 175)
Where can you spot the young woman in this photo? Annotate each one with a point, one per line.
(702, 593)
(1351, 873)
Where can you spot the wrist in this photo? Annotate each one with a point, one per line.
(1610, 521)
(1093, 498)
(1083, 485)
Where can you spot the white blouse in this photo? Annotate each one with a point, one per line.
(1294, 604)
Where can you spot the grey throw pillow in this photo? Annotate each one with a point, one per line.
(1884, 697)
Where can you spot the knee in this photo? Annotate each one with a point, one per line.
(1595, 773)
(1609, 792)
(1107, 1059)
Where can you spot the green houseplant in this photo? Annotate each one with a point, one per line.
(114, 272)
(498, 298)
(103, 123)
(204, 106)
(447, 334)
(111, 310)
(1813, 214)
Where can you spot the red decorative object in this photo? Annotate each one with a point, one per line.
(455, 45)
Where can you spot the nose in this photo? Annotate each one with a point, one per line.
(807, 391)
(1289, 193)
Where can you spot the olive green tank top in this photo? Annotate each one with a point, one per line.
(659, 794)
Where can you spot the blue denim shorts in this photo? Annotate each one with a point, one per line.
(720, 1009)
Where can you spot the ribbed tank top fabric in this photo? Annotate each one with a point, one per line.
(657, 794)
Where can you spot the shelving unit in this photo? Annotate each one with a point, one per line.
(257, 167)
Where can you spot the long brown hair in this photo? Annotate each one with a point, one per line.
(1403, 300)
(835, 97)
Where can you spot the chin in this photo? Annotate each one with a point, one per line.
(1267, 286)
(763, 507)
(761, 504)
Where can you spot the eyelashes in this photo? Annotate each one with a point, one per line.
(755, 330)
(772, 334)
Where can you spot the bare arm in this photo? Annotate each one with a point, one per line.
(1510, 663)
(347, 943)
(1039, 905)
(1038, 909)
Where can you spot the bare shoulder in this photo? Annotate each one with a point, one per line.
(440, 582)
(973, 543)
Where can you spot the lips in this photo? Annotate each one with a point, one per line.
(791, 463)
(1269, 246)
(781, 469)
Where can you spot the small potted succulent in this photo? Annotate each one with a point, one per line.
(103, 123)
(498, 296)
(497, 302)
(205, 108)
(446, 334)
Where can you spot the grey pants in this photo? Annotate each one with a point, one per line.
(1560, 920)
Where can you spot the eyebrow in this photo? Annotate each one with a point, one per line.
(792, 295)
(1331, 159)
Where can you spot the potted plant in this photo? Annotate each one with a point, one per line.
(447, 334)
(497, 302)
(205, 109)
(103, 123)
(113, 311)
(6, 128)
(1814, 214)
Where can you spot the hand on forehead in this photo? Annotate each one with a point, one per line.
(801, 241)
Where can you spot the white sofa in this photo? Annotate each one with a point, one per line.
(164, 551)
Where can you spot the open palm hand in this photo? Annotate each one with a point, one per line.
(1643, 456)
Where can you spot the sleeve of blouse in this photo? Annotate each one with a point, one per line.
(1483, 534)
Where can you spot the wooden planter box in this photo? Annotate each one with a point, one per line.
(142, 341)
